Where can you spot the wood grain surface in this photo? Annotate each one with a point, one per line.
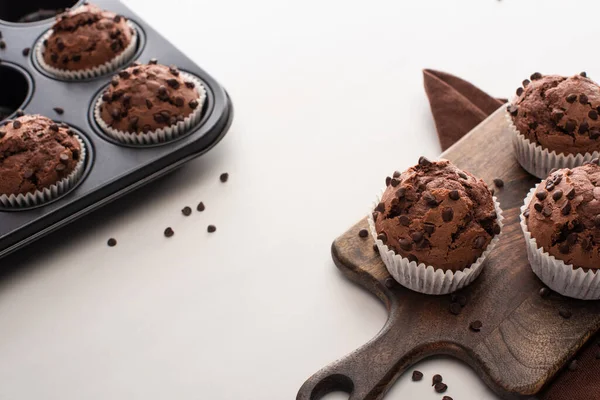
(524, 341)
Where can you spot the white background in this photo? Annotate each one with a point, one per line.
(329, 100)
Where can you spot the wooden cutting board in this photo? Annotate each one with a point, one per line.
(524, 341)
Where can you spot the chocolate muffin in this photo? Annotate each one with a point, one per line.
(86, 37)
(563, 216)
(436, 214)
(145, 98)
(559, 113)
(35, 153)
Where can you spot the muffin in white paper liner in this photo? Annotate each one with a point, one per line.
(425, 278)
(51, 192)
(110, 66)
(559, 276)
(539, 161)
(161, 135)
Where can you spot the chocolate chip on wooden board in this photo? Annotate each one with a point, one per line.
(476, 326)
(447, 398)
(169, 232)
(440, 387)
(417, 376)
(437, 378)
(455, 308)
(200, 207)
(187, 211)
(566, 314)
(211, 229)
(499, 183)
(112, 242)
(363, 233)
(224, 177)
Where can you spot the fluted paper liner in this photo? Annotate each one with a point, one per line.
(110, 66)
(537, 160)
(426, 278)
(161, 135)
(51, 192)
(559, 276)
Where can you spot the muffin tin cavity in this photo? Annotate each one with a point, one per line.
(28, 11)
(16, 91)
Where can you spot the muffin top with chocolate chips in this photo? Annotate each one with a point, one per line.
(35, 152)
(559, 113)
(436, 214)
(86, 37)
(564, 215)
(144, 98)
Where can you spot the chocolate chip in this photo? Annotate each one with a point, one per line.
(389, 283)
(436, 379)
(405, 244)
(26, 51)
(224, 177)
(583, 99)
(193, 104)
(557, 115)
(564, 248)
(19, 113)
(573, 365)
(594, 133)
(187, 211)
(400, 193)
(462, 175)
(447, 398)
(17, 124)
(179, 101)
(461, 299)
(549, 185)
(153, 61)
(557, 195)
(498, 182)
(174, 83)
(124, 74)
(447, 214)
(117, 18)
(54, 57)
(424, 162)
(429, 228)
(211, 229)
(112, 242)
(526, 82)
(544, 292)
(571, 194)
(519, 91)
(583, 73)
(440, 387)
(512, 109)
(388, 180)
(76, 57)
(570, 125)
(538, 207)
(593, 114)
(375, 248)
(404, 220)
(2, 44)
(59, 110)
(526, 213)
(476, 326)
(455, 308)
(416, 236)
(497, 229)
(566, 210)
(541, 195)
(200, 207)
(535, 76)
(454, 195)
(417, 376)
(380, 207)
(571, 98)
(60, 167)
(114, 81)
(396, 174)
(190, 85)
(64, 158)
(363, 233)
(169, 232)
(383, 237)
(430, 199)
(479, 242)
(583, 128)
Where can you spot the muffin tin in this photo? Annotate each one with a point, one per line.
(112, 169)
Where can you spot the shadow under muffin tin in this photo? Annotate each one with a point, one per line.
(112, 168)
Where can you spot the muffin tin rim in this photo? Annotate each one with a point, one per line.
(30, 86)
(35, 23)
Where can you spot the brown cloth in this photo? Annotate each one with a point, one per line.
(458, 107)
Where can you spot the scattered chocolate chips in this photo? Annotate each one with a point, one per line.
(112, 242)
(519, 91)
(383, 237)
(363, 233)
(400, 193)
(583, 73)
(593, 114)
(571, 98)
(396, 174)
(583, 99)
(436, 379)
(557, 195)
(2, 44)
(429, 228)
(440, 387)
(566, 314)
(375, 248)
(430, 199)
(454, 195)
(583, 128)
(380, 207)
(404, 220)
(187, 211)
(571, 194)
(59, 110)
(570, 125)
(526, 213)
(526, 82)
(549, 185)
(447, 214)
(417, 376)
(476, 326)
(424, 162)
(541, 196)
(498, 182)
(416, 236)
(193, 104)
(479, 242)
(544, 292)
(26, 51)
(211, 229)
(169, 232)
(447, 398)
(455, 308)
(16, 124)
(388, 181)
(462, 175)
(224, 177)
(535, 76)
(566, 209)
(405, 244)
(461, 300)
(200, 207)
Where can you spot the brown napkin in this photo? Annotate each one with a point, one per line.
(457, 107)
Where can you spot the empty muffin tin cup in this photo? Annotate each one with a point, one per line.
(51, 192)
(74, 75)
(161, 135)
(424, 278)
(32, 11)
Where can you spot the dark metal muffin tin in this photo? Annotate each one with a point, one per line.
(112, 169)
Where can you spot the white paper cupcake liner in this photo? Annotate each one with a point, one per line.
(425, 278)
(110, 66)
(539, 161)
(161, 135)
(556, 274)
(51, 192)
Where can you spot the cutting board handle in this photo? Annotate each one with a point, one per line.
(369, 372)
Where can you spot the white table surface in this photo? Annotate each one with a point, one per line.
(329, 100)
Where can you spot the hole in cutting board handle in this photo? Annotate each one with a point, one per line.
(330, 384)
